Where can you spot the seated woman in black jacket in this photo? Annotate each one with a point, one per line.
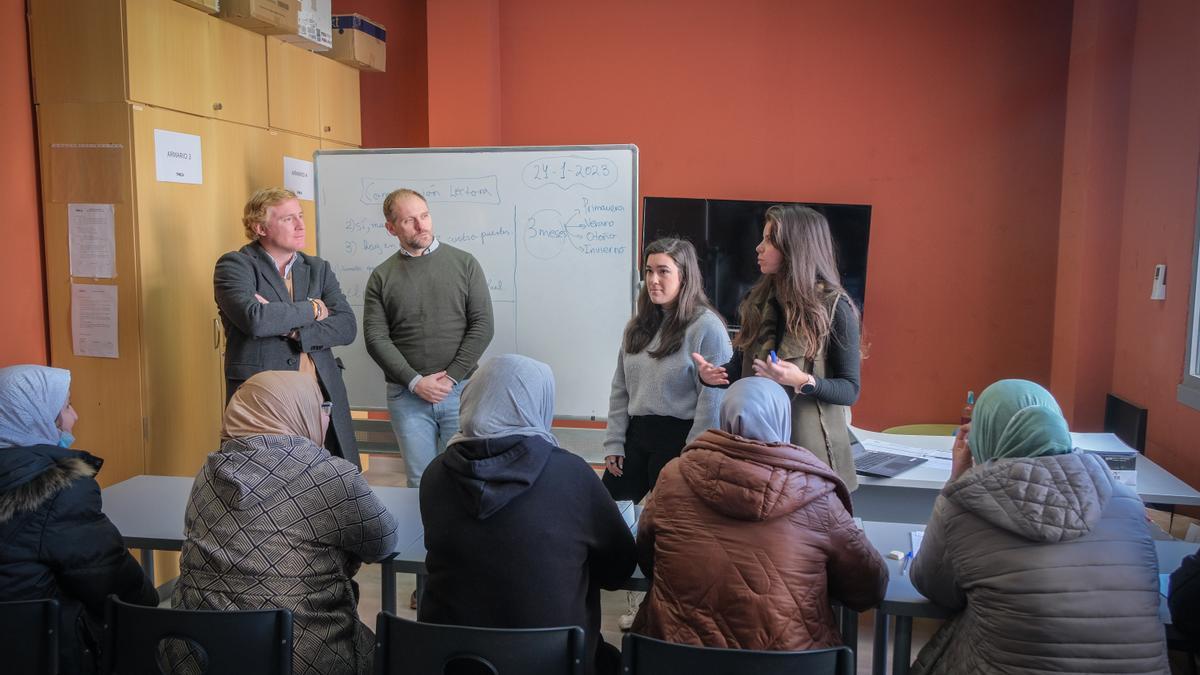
(54, 540)
(519, 533)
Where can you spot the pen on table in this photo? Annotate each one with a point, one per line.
(904, 565)
(774, 358)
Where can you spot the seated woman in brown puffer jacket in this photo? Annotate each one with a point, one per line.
(746, 537)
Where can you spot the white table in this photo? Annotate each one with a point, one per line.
(909, 497)
(148, 512)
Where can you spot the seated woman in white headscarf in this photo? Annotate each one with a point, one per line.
(55, 542)
(519, 532)
(747, 538)
(1043, 554)
(274, 520)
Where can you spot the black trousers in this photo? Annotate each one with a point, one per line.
(650, 442)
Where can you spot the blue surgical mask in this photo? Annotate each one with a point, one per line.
(65, 439)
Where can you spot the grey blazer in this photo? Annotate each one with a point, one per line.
(256, 334)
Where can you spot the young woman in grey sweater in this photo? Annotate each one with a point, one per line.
(658, 403)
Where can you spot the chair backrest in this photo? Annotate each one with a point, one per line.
(413, 648)
(923, 429)
(29, 636)
(153, 640)
(1126, 420)
(641, 655)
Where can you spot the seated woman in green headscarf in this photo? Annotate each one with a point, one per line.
(1043, 554)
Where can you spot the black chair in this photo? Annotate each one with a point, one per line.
(641, 655)
(149, 639)
(413, 648)
(29, 636)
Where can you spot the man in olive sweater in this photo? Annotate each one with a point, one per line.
(427, 318)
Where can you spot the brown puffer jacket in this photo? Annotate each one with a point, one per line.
(746, 543)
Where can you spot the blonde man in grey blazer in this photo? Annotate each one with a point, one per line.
(284, 310)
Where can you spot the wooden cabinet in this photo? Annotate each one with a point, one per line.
(337, 97)
(168, 55)
(292, 96)
(299, 78)
(134, 67)
(238, 75)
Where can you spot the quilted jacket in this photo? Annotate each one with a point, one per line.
(275, 521)
(746, 543)
(1051, 569)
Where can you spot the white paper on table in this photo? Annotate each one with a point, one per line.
(915, 538)
(298, 177)
(936, 459)
(625, 506)
(91, 240)
(94, 320)
(177, 158)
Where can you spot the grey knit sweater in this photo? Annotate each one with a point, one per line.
(668, 386)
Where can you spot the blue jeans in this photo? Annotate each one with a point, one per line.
(422, 428)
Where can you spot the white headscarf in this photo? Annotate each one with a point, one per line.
(757, 409)
(510, 395)
(31, 397)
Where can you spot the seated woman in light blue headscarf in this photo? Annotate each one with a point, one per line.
(519, 533)
(55, 542)
(1043, 554)
(746, 538)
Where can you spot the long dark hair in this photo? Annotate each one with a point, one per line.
(807, 284)
(669, 323)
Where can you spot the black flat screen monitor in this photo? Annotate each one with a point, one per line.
(726, 231)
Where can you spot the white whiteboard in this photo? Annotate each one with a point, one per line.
(553, 227)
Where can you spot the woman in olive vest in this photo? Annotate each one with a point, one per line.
(800, 328)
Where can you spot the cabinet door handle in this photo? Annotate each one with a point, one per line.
(216, 333)
(218, 106)
(328, 129)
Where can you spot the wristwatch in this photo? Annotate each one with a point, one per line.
(808, 387)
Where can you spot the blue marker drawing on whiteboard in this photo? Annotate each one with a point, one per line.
(774, 358)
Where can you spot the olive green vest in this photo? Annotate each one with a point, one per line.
(822, 428)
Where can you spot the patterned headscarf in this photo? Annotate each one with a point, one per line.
(31, 397)
(510, 395)
(275, 403)
(757, 409)
(1017, 418)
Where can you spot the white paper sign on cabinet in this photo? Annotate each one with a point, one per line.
(177, 157)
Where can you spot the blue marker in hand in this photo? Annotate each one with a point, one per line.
(774, 358)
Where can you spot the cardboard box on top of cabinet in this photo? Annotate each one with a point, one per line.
(269, 17)
(359, 42)
(316, 26)
(207, 6)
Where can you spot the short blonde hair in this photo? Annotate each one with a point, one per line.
(389, 200)
(256, 208)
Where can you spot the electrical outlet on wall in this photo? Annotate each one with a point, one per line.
(1159, 290)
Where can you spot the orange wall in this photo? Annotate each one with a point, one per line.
(395, 103)
(464, 73)
(946, 116)
(21, 254)
(1093, 188)
(1158, 226)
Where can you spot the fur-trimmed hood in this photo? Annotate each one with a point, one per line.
(31, 476)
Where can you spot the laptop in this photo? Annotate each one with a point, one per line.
(880, 464)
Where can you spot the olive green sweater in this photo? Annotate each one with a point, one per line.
(425, 314)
